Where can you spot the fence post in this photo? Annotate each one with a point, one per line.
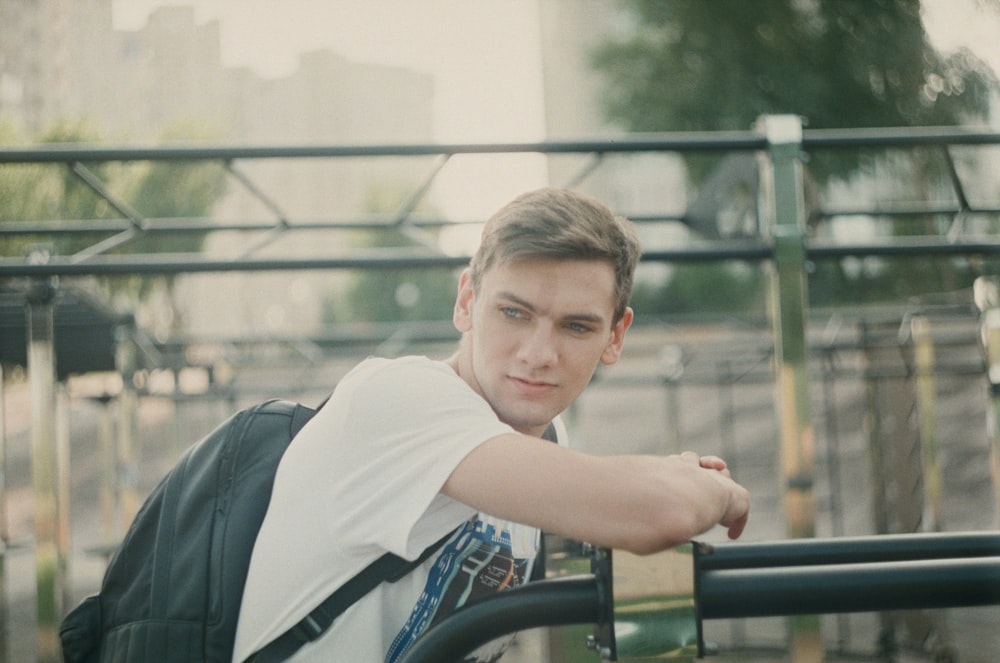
(986, 290)
(44, 467)
(926, 399)
(783, 221)
(128, 399)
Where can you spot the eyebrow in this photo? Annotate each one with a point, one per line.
(594, 318)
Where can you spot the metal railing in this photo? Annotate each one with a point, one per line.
(784, 242)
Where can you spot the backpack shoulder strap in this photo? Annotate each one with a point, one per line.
(388, 567)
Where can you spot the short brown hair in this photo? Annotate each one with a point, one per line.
(560, 224)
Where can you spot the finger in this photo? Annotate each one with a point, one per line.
(736, 529)
(712, 463)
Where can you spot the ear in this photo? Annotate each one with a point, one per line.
(613, 350)
(462, 315)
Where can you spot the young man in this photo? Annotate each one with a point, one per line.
(407, 450)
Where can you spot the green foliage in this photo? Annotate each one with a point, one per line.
(390, 295)
(33, 192)
(176, 189)
(53, 192)
(692, 65)
(400, 295)
(708, 288)
(696, 65)
(47, 192)
(878, 280)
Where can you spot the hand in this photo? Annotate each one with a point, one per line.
(714, 463)
(707, 462)
(738, 508)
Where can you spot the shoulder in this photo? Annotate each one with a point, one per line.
(384, 369)
(406, 385)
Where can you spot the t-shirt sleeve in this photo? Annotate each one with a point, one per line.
(395, 430)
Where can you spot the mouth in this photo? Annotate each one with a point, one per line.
(532, 387)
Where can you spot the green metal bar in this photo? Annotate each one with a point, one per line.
(842, 588)
(44, 469)
(786, 224)
(847, 550)
(987, 295)
(573, 600)
(784, 218)
(4, 523)
(926, 393)
(128, 402)
(694, 141)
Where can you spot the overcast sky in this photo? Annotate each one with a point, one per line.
(484, 54)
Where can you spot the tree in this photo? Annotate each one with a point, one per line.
(695, 65)
(53, 192)
(719, 65)
(392, 295)
(34, 192)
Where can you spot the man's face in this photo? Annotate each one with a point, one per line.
(535, 332)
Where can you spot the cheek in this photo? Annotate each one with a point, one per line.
(493, 344)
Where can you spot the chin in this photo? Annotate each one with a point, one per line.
(524, 421)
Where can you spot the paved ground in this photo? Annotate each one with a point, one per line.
(627, 410)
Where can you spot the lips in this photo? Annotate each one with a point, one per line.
(532, 387)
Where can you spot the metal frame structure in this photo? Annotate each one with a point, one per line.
(95, 260)
(778, 141)
(795, 577)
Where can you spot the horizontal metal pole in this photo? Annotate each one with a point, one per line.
(166, 263)
(843, 588)
(898, 137)
(175, 263)
(207, 225)
(191, 225)
(558, 602)
(855, 550)
(670, 142)
(915, 210)
(638, 142)
(905, 246)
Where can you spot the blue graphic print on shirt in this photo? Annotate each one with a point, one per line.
(476, 562)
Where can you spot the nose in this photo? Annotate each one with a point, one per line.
(538, 347)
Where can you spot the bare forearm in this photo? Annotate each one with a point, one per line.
(638, 503)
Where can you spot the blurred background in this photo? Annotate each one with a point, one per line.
(151, 348)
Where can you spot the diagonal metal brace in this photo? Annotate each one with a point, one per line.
(276, 230)
(402, 220)
(136, 222)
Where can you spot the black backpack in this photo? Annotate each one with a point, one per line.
(172, 590)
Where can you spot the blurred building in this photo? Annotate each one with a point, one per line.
(633, 185)
(62, 60)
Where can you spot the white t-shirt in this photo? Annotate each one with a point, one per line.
(363, 478)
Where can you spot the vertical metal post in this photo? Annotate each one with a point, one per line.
(128, 470)
(63, 483)
(671, 369)
(784, 221)
(109, 473)
(987, 294)
(833, 467)
(4, 525)
(42, 381)
(923, 359)
(991, 337)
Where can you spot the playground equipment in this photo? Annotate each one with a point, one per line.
(653, 607)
